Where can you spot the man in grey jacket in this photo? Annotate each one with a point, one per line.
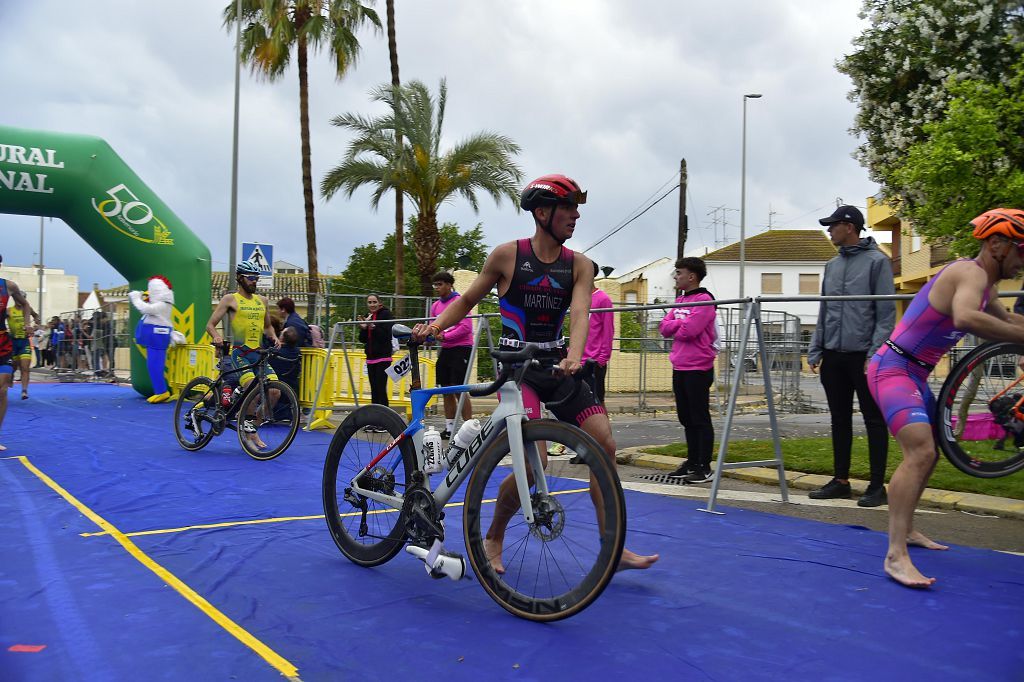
(847, 335)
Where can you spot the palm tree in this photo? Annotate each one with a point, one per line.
(417, 167)
(273, 28)
(399, 209)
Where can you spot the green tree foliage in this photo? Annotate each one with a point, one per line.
(904, 62)
(401, 150)
(371, 267)
(272, 30)
(968, 162)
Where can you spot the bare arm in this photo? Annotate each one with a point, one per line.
(579, 312)
(992, 323)
(495, 267)
(226, 304)
(268, 326)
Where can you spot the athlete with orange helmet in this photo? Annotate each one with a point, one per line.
(959, 299)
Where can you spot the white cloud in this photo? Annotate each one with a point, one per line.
(611, 93)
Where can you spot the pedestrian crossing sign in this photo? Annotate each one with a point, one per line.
(262, 256)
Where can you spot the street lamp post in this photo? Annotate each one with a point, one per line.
(233, 229)
(743, 195)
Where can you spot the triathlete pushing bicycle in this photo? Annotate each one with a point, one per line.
(960, 299)
(248, 319)
(538, 280)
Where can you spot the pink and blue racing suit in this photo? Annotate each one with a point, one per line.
(898, 372)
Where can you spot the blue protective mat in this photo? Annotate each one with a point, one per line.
(745, 596)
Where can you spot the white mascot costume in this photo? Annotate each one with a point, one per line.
(155, 332)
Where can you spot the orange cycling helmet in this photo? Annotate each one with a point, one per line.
(1008, 222)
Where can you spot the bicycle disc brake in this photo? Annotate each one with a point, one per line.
(548, 517)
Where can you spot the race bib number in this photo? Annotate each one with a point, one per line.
(399, 369)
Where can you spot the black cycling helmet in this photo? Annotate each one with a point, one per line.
(246, 268)
(551, 190)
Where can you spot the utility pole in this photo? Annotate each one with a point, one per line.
(683, 224)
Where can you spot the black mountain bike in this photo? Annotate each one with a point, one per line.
(265, 413)
(980, 421)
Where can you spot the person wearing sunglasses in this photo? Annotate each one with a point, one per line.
(247, 321)
(846, 335)
(960, 299)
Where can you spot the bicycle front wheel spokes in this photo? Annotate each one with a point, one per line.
(195, 413)
(979, 426)
(366, 531)
(268, 419)
(556, 566)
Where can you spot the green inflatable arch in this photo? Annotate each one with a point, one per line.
(82, 181)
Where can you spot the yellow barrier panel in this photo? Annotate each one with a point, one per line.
(313, 360)
(338, 383)
(188, 361)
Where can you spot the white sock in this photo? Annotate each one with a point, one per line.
(449, 424)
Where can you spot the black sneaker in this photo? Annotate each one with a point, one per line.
(576, 459)
(682, 470)
(873, 497)
(698, 477)
(831, 491)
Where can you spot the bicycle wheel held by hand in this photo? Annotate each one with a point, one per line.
(978, 427)
(366, 531)
(268, 419)
(559, 564)
(195, 414)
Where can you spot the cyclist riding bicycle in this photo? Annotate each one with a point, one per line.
(248, 320)
(537, 280)
(960, 299)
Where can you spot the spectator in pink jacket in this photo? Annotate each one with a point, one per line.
(694, 347)
(599, 338)
(456, 346)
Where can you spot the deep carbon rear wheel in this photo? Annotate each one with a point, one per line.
(360, 438)
(195, 413)
(979, 426)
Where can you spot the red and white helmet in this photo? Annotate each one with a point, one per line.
(551, 190)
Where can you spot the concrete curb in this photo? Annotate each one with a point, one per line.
(972, 503)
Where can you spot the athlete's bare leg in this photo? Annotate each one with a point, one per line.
(905, 489)
(600, 428)
(25, 365)
(6, 379)
(917, 538)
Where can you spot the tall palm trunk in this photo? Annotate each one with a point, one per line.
(307, 177)
(428, 245)
(399, 210)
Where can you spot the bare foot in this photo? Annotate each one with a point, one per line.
(904, 572)
(492, 548)
(630, 560)
(917, 539)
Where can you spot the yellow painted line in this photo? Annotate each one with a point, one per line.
(281, 519)
(238, 632)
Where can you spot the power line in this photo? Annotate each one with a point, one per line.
(673, 178)
(656, 202)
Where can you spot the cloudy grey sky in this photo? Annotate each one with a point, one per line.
(611, 93)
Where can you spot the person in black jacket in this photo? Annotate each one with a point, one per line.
(376, 334)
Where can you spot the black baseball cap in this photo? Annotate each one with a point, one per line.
(845, 214)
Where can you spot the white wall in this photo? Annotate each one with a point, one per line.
(60, 291)
(724, 277)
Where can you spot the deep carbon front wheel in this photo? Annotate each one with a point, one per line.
(556, 566)
(368, 532)
(980, 421)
